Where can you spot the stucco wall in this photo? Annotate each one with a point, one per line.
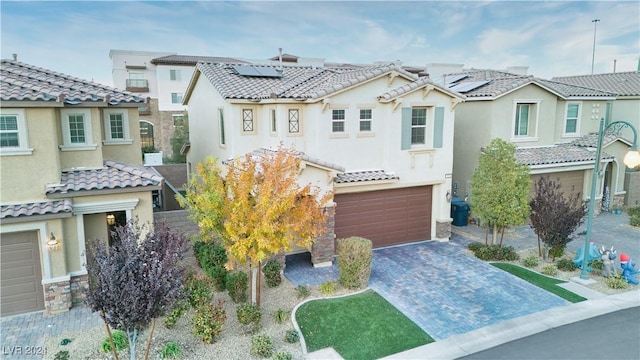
(129, 153)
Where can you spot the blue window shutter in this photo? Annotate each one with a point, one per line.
(438, 127)
(406, 129)
(607, 114)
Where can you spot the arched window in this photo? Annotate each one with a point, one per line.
(146, 134)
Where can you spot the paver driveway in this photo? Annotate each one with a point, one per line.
(441, 288)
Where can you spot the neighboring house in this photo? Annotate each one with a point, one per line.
(379, 137)
(71, 169)
(163, 78)
(549, 122)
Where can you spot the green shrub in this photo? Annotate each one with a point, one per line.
(62, 355)
(180, 308)
(616, 282)
(249, 315)
(291, 336)
(634, 211)
(212, 257)
(530, 261)
(302, 291)
(282, 355)
(354, 262)
(596, 266)
(556, 252)
(262, 346)
(495, 253)
(281, 316)
(170, 351)
(271, 271)
(208, 320)
(635, 221)
(565, 264)
(218, 277)
(474, 246)
(119, 340)
(550, 270)
(328, 287)
(198, 289)
(237, 285)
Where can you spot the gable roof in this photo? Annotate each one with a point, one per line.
(24, 82)
(192, 60)
(114, 175)
(421, 82)
(622, 83)
(557, 154)
(36, 208)
(295, 82)
(486, 84)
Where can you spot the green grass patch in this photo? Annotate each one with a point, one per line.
(541, 281)
(361, 326)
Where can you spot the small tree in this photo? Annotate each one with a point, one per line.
(554, 217)
(137, 279)
(256, 208)
(500, 188)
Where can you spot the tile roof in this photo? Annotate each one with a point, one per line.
(193, 60)
(296, 82)
(421, 81)
(556, 154)
(113, 175)
(591, 140)
(362, 176)
(622, 83)
(36, 208)
(24, 82)
(500, 82)
(304, 157)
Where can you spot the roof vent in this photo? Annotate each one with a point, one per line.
(15, 57)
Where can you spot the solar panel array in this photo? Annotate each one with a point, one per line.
(256, 71)
(468, 86)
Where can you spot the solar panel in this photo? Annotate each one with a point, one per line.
(468, 86)
(448, 80)
(255, 71)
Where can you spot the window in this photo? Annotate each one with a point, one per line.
(13, 132)
(247, 120)
(522, 120)
(175, 75)
(524, 126)
(337, 121)
(571, 121)
(221, 124)
(365, 119)
(76, 129)
(274, 121)
(294, 121)
(178, 120)
(176, 98)
(137, 80)
(146, 135)
(418, 125)
(116, 127)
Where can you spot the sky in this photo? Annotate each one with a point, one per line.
(552, 38)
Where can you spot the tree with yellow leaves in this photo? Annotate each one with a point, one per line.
(255, 207)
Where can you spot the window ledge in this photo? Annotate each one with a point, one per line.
(365, 134)
(78, 147)
(294, 134)
(571, 135)
(338, 136)
(523, 139)
(15, 152)
(117, 142)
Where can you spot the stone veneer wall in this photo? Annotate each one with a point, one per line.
(79, 284)
(323, 249)
(57, 297)
(443, 229)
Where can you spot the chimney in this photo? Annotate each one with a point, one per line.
(15, 57)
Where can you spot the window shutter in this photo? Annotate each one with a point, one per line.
(607, 113)
(406, 129)
(438, 127)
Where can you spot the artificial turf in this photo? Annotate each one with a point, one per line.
(360, 326)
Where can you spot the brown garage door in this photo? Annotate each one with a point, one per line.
(386, 217)
(570, 181)
(21, 289)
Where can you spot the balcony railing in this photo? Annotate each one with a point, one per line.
(137, 85)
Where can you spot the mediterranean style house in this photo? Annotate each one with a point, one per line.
(379, 137)
(553, 125)
(71, 169)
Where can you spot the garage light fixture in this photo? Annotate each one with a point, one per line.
(448, 196)
(52, 243)
(111, 219)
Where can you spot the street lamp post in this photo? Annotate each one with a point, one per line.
(631, 160)
(593, 54)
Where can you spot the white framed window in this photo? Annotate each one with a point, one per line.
(76, 130)
(176, 98)
(175, 74)
(137, 80)
(337, 120)
(116, 127)
(572, 118)
(365, 120)
(248, 121)
(13, 133)
(525, 120)
(294, 120)
(274, 121)
(418, 126)
(221, 127)
(178, 120)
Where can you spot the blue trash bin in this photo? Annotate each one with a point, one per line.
(460, 213)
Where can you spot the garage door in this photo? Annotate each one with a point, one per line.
(386, 217)
(570, 181)
(21, 289)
